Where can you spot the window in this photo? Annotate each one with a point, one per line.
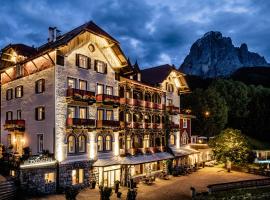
(82, 85)
(71, 144)
(83, 61)
(40, 143)
(100, 89)
(40, 86)
(72, 83)
(60, 60)
(172, 140)
(9, 115)
(49, 177)
(19, 114)
(100, 67)
(128, 142)
(100, 143)
(82, 113)
(170, 102)
(184, 123)
(9, 94)
(82, 143)
(77, 176)
(170, 87)
(19, 91)
(19, 71)
(146, 141)
(109, 115)
(109, 90)
(71, 112)
(100, 114)
(108, 144)
(40, 113)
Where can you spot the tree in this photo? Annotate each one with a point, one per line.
(210, 110)
(231, 145)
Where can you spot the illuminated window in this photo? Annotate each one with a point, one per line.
(40, 113)
(100, 66)
(49, 177)
(19, 114)
(82, 85)
(40, 86)
(40, 143)
(71, 112)
(100, 143)
(9, 94)
(100, 114)
(172, 139)
(71, 144)
(128, 142)
(100, 89)
(109, 115)
(71, 83)
(12, 173)
(108, 146)
(82, 61)
(170, 102)
(184, 123)
(146, 141)
(82, 143)
(83, 113)
(19, 91)
(109, 90)
(77, 176)
(170, 88)
(19, 71)
(9, 115)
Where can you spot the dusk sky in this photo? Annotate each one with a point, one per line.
(153, 32)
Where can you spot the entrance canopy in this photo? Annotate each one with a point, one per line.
(132, 160)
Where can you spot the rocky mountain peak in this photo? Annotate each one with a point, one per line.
(215, 55)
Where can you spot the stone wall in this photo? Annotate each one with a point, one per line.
(33, 180)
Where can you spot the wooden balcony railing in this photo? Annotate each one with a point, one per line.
(141, 103)
(12, 125)
(81, 95)
(107, 123)
(80, 122)
(158, 126)
(108, 99)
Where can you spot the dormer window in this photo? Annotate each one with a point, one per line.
(100, 67)
(170, 88)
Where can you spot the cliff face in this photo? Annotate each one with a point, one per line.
(214, 55)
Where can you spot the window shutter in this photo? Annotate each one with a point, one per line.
(36, 113)
(77, 60)
(22, 90)
(95, 65)
(88, 63)
(43, 85)
(36, 87)
(105, 68)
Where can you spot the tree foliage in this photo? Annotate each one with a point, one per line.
(202, 101)
(231, 145)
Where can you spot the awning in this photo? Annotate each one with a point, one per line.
(183, 151)
(132, 160)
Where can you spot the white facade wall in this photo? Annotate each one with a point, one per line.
(27, 105)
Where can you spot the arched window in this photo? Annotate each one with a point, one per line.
(100, 143)
(108, 144)
(172, 140)
(71, 144)
(82, 143)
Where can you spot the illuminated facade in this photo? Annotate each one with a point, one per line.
(102, 118)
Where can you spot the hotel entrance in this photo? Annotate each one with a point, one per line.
(108, 175)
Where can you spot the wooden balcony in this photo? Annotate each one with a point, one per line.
(74, 122)
(81, 95)
(158, 106)
(147, 125)
(148, 104)
(108, 99)
(173, 110)
(107, 124)
(157, 126)
(14, 125)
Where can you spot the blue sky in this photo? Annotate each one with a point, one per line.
(153, 32)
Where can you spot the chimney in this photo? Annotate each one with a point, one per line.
(52, 34)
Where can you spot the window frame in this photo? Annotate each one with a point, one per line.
(111, 119)
(37, 86)
(185, 123)
(87, 61)
(21, 92)
(101, 148)
(109, 87)
(78, 178)
(7, 115)
(84, 144)
(42, 114)
(68, 113)
(19, 112)
(68, 144)
(9, 94)
(97, 91)
(80, 81)
(79, 112)
(75, 82)
(40, 143)
(109, 143)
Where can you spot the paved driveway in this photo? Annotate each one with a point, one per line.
(177, 188)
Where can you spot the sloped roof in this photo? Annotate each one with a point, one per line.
(156, 75)
(22, 49)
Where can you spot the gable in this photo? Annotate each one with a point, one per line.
(177, 80)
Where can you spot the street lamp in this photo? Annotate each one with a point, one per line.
(206, 113)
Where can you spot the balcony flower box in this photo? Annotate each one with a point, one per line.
(81, 95)
(15, 125)
(80, 122)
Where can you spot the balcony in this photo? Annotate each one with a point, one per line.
(158, 126)
(14, 125)
(80, 122)
(81, 95)
(158, 106)
(108, 99)
(173, 110)
(108, 124)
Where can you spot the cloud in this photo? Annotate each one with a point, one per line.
(152, 32)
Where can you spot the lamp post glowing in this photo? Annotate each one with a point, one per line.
(206, 114)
